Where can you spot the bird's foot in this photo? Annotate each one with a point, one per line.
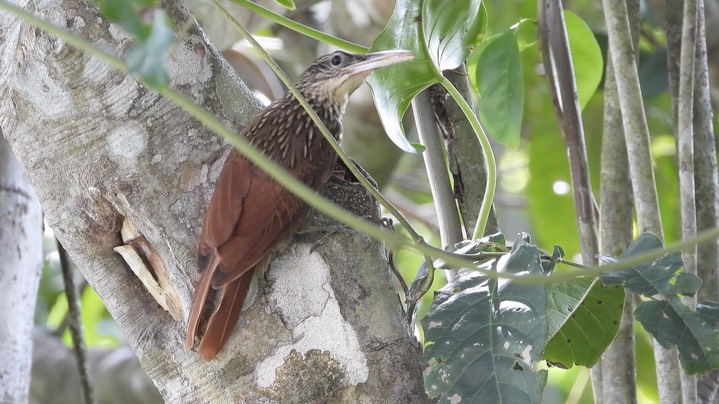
(331, 230)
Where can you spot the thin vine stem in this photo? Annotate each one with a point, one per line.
(318, 122)
(301, 28)
(491, 164)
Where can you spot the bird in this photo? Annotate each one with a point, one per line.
(249, 213)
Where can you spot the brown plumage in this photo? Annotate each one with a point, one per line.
(249, 213)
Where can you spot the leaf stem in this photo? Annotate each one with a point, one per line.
(486, 207)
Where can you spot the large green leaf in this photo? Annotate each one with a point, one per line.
(394, 87)
(586, 57)
(484, 336)
(584, 318)
(694, 333)
(660, 276)
(499, 80)
(450, 28)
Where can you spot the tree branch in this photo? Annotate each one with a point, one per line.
(77, 330)
(636, 135)
(618, 363)
(450, 229)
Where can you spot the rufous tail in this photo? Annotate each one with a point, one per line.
(223, 320)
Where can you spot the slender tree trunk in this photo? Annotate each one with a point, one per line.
(20, 270)
(618, 364)
(323, 325)
(636, 133)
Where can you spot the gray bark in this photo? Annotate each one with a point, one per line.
(705, 164)
(450, 229)
(618, 363)
(636, 134)
(324, 324)
(707, 184)
(20, 269)
(615, 230)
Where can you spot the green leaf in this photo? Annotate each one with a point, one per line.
(484, 336)
(584, 318)
(549, 264)
(450, 28)
(289, 4)
(694, 333)
(499, 81)
(586, 57)
(394, 87)
(147, 57)
(661, 276)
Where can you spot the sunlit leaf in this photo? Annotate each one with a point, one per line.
(584, 318)
(499, 80)
(100, 329)
(586, 57)
(450, 28)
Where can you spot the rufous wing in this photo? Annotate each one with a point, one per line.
(223, 212)
(248, 215)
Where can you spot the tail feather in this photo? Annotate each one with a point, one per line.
(199, 299)
(223, 320)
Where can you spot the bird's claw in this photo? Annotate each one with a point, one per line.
(330, 231)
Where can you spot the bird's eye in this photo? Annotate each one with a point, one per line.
(336, 59)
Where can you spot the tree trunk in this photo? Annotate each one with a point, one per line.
(325, 325)
(20, 270)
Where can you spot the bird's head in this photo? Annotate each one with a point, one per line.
(333, 77)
